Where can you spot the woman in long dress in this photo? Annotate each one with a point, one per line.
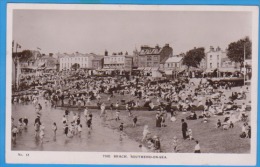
(158, 120)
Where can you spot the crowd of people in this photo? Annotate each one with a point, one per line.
(202, 100)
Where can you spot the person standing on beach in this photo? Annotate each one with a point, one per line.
(66, 129)
(89, 123)
(121, 128)
(79, 128)
(117, 115)
(103, 108)
(86, 113)
(37, 124)
(197, 147)
(14, 134)
(134, 121)
(25, 121)
(54, 128)
(184, 128)
(42, 127)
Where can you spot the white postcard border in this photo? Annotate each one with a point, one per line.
(56, 157)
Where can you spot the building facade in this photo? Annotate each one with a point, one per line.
(47, 62)
(173, 63)
(84, 61)
(135, 58)
(153, 57)
(118, 62)
(203, 64)
(97, 62)
(213, 58)
(217, 59)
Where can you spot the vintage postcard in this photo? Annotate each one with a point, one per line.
(131, 84)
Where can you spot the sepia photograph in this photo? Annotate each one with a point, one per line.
(128, 81)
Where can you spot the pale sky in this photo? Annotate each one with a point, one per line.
(94, 31)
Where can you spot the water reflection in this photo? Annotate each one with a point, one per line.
(99, 138)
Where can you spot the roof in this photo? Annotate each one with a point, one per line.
(164, 60)
(129, 56)
(77, 54)
(150, 51)
(97, 58)
(173, 59)
(214, 51)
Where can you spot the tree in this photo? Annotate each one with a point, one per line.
(23, 56)
(75, 66)
(237, 50)
(193, 57)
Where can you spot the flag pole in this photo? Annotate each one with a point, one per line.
(15, 63)
(244, 63)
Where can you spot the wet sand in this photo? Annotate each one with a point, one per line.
(100, 139)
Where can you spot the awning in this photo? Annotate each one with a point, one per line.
(227, 70)
(209, 70)
(107, 69)
(51, 68)
(147, 69)
(154, 68)
(140, 68)
(41, 68)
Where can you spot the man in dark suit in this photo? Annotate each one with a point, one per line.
(184, 128)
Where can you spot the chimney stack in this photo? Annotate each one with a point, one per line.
(106, 53)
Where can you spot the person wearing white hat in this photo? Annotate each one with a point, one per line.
(197, 147)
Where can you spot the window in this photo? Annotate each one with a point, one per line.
(218, 57)
(155, 58)
(210, 57)
(149, 58)
(218, 65)
(210, 65)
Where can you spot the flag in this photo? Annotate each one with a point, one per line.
(18, 46)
